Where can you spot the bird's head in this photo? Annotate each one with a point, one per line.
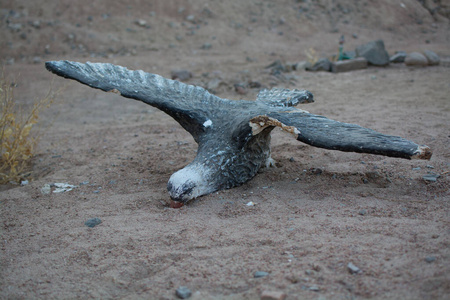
(189, 183)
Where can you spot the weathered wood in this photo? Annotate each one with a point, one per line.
(349, 65)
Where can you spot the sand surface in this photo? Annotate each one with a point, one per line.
(316, 211)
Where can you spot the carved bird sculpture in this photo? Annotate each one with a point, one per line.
(233, 136)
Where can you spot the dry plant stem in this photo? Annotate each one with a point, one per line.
(17, 140)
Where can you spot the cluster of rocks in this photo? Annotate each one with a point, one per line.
(427, 58)
(372, 53)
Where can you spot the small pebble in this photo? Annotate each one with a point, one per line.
(362, 212)
(430, 259)
(431, 177)
(353, 269)
(259, 274)
(183, 292)
(92, 222)
(273, 295)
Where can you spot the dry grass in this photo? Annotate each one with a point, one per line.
(18, 133)
(312, 56)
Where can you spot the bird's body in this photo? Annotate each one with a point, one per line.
(233, 136)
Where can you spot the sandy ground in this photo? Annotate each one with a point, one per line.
(316, 211)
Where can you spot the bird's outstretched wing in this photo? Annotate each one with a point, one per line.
(191, 106)
(325, 133)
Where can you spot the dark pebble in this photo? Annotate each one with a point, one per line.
(181, 75)
(92, 222)
(183, 292)
(259, 274)
(430, 259)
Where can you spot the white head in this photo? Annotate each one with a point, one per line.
(189, 183)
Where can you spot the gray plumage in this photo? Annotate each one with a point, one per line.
(233, 136)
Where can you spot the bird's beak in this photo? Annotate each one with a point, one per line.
(175, 204)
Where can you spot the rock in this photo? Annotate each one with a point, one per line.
(431, 177)
(183, 292)
(206, 46)
(213, 84)
(36, 24)
(349, 54)
(416, 59)
(348, 65)
(362, 212)
(92, 222)
(259, 274)
(276, 67)
(37, 60)
(141, 22)
(314, 288)
(15, 27)
(273, 295)
(374, 52)
(240, 89)
(430, 259)
(353, 269)
(255, 85)
(398, 57)
(432, 58)
(322, 64)
(24, 182)
(181, 75)
(302, 66)
(190, 18)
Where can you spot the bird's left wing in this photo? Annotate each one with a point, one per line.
(189, 105)
(325, 133)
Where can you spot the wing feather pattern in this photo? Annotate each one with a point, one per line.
(189, 105)
(325, 133)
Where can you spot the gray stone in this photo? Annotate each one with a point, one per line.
(416, 59)
(433, 58)
(430, 259)
(322, 64)
(183, 292)
(259, 274)
(141, 22)
(431, 177)
(374, 52)
(348, 65)
(181, 75)
(349, 54)
(206, 46)
(398, 57)
(92, 222)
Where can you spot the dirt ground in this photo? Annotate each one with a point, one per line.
(316, 211)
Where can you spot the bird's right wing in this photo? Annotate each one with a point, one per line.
(325, 133)
(189, 105)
